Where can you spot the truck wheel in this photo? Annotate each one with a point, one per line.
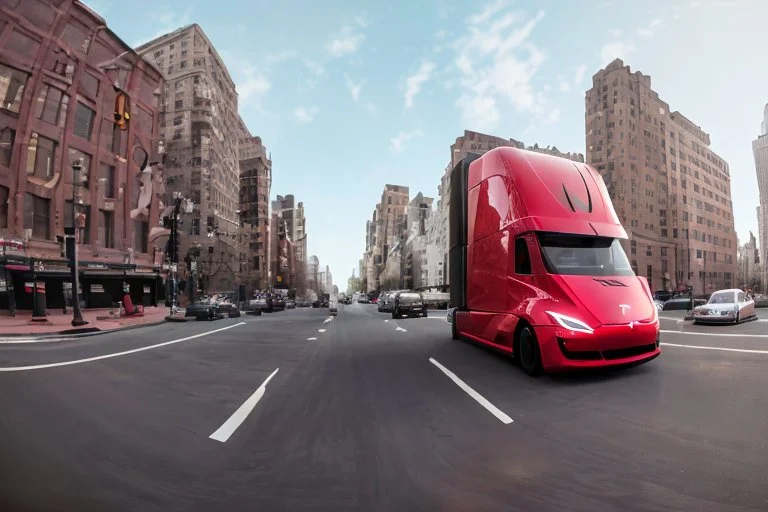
(394, 314)
(529, 352)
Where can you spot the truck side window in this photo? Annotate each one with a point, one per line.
(522, 258)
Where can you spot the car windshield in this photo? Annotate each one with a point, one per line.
(722, 298)
(583, 255)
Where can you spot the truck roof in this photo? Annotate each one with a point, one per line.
(548, 193)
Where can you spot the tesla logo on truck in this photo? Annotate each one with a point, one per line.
(610, 282)
(624, 308)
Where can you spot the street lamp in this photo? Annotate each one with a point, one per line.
(71, 233)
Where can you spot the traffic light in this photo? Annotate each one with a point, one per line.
(122, 110)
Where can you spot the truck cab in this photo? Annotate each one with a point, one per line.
(537, 267)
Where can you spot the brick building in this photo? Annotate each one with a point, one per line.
(671, 192)
(60, 70)
(383, 231)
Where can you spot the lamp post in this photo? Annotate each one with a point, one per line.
(71, 241)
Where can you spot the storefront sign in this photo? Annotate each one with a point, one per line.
(99, 266)
(97, 288)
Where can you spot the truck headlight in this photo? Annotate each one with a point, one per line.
(570, 323)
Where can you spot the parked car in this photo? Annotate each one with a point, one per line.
(725, 306)
(228, 309)
(290, 304)
(205, 309)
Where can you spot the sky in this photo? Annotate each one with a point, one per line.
(349, 96)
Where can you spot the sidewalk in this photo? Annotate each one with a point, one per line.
(59, 323)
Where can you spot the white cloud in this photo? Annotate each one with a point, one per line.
(168, 19)
(579, 74)
(615, 50)
(354, 87)
(280, 57)
(497, 63)
(251, 86)
(372, 108)
(345, 42)
(305, 115)
(441, 34)
(648, 32)
(398, 142)
(565, 86)
(415, 82)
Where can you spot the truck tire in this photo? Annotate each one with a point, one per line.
(529, 352)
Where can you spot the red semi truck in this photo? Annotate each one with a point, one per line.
(537, 269)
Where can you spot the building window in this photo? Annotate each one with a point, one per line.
(3, 207)
(698, 254)
(37, 216)
(40, 156)
(107, 177)
(89, 85)
(106, 229)
(12, 83)
(7, 138)
(179, 104)
(649, 250)
(52, 106)
(649, 274)
(84, 118)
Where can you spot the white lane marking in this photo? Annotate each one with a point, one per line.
(400, 329)
(321, 330)
(474, 394)
(116, 354)
(329, 319)
(723, 349)
(722, 335)
(228, 428)
(311, 339)
(385, 321)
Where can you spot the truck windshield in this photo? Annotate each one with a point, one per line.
(579, 255)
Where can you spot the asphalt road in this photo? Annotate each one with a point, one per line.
(367, 413)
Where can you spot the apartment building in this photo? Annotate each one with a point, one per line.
(760, 152)
(670, 190)
(289, 225)
(61, 69)
(255, 187)
(384, 230)
(201, 130)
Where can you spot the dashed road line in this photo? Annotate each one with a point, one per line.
(311, 339)
(224, 432)
(474, 394)
(400, 329)
(321, 330)
(116, 354)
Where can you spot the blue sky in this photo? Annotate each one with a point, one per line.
(351, 95)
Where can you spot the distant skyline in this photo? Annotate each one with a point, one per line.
(349, 97)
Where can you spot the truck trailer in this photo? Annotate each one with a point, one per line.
(537, 268)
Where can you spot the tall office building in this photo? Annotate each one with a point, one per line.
(760, 152)
(671, 192)
(290, 225)
(202, 130)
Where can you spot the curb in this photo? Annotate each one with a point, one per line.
(6, 339)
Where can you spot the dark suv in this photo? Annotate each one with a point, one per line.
(408, 304)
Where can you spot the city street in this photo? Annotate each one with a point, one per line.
(300, 411)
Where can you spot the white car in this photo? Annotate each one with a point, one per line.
(725, 306)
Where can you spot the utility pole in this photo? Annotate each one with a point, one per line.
(71, 246)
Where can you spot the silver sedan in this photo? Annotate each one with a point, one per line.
(725, 306)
